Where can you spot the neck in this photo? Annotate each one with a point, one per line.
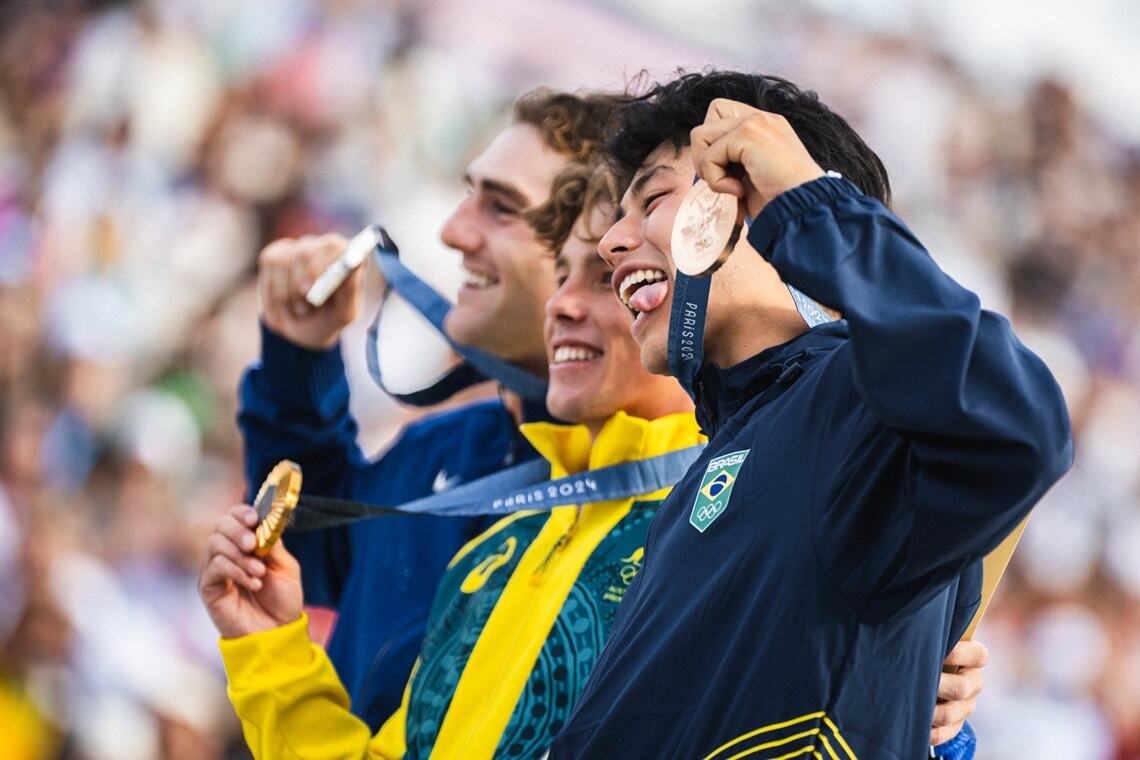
(750, 309)
(513, 403)
(744, 333)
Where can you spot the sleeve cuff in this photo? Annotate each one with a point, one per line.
(267, 655)
(792, 203)
(300, 375)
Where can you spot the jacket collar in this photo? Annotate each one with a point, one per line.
(622, 439)
(721, 393)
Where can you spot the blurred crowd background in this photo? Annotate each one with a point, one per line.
(149, 149)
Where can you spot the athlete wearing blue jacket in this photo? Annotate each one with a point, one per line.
(381, 575)
(804, 580)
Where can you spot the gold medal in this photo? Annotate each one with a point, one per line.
(705, 230)
(275, 502)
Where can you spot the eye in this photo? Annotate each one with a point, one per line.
(650, 202)
(502, 209)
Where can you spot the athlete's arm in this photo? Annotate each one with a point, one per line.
(294, 401)
(985, 421)
(283, 687)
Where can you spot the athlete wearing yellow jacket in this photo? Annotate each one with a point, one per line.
(519, 620)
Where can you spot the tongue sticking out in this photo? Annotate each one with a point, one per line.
(649, 297)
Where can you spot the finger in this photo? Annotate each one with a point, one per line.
(949, 714)
(718, 163)
(281, 560)
(221, 570)
(943, 734)
(217, 544)
(967, 654)
(724, 108)
(245, 514)
(328, 250)
(348, 299)
(236, 531)
(962, 685)
(704, 135)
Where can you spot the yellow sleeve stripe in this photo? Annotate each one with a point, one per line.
(819, 735)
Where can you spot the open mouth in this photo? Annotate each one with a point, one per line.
(477, 280)
(643, 290)
(571, 354)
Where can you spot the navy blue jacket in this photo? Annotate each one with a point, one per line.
(809, 608)
(380, 575)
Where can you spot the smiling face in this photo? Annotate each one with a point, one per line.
(749, 307)
(594, 366)
(638, 248)
(508, 272)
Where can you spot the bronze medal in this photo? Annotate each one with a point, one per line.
(275, 502)
(705, 230)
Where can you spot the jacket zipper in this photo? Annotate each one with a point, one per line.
(562, 542)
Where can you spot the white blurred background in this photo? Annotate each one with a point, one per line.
(149, 149)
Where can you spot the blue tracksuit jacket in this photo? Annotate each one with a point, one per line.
(380, 575)
(805, 579)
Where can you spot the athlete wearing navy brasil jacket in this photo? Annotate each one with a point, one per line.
(804, 580)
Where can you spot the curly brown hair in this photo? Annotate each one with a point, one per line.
(578, 189)
(573, 124)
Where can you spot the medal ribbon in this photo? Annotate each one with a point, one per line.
(477, 365)
(523, 487)
(687, 322)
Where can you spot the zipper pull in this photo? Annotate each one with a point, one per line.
(563, 540)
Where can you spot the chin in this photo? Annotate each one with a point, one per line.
(565, 409)
(470, 330)
(655, 357)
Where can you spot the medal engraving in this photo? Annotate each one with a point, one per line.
(275, 502)
(705, 230)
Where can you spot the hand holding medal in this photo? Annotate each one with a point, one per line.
(250, 583)
(740, 153)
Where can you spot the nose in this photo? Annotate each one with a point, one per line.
(461, 230)
(565, 304)
(621, 239)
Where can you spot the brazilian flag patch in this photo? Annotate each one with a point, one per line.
(716, 489)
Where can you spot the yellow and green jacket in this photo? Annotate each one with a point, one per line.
(518, 622)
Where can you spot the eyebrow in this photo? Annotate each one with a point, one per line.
(502, 188)
(637, 187)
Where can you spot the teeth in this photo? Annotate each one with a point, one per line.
(564, 354)
(476, 280)
(628, 285)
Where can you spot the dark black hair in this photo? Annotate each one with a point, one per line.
(668, 112)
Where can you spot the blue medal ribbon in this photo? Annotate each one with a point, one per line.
(687, 323)
(523, 487)
(478, 365)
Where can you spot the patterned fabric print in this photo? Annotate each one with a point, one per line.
(576, 639)
(467, 594)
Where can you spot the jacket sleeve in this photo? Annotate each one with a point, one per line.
(985, 425)
(291, 704)
(294, 405)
